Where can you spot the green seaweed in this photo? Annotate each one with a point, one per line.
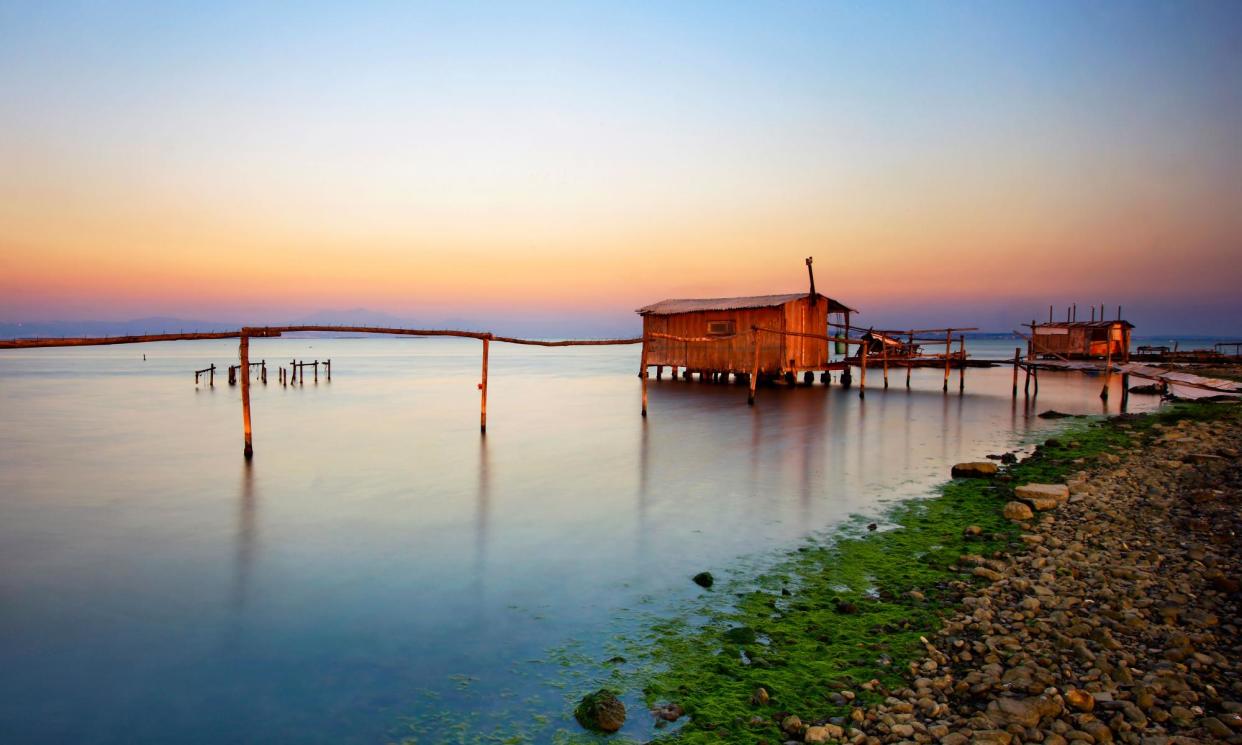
(833, 615)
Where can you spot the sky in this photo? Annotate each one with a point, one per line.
(944, 162)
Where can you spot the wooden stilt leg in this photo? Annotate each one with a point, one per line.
(1016, 353)
(483, 390)
(961, 371)
(862, 375)
(244, 354)
(754, 375)
(643, 374)
(884, 356)
(948, 355)
(1108, 371)
(909, 360)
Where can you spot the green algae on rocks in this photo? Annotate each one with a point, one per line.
(830, 617)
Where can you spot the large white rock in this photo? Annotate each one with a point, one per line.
(1041, 493)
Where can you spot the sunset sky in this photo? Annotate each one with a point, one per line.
(943, 162)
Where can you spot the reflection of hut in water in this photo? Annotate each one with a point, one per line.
(715, 334)
(1080, 339)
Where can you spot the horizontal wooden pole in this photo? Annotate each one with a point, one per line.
(670, 337)
(274, 331)
(841, 339)
(104, 340)
(902, 332)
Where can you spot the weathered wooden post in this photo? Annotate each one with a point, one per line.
(643, 372)
(948, 356)
(862, 375)
(659, 372)
(232, 374)
(483, 388)
(961, 371)
(1125, 391)
(1016, 352)
(1108, 370)
(244, 354)
(846, 376)
(884, 356)
(263, 371)
(754, 376)
(909, 359)
(316, 379)
(327, 366)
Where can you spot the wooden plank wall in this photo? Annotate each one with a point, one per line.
(736, 355)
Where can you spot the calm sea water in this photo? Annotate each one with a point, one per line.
(379, 562)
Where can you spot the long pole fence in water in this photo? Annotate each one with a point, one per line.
(246, 333)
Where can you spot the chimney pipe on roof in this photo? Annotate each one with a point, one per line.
(811, 273)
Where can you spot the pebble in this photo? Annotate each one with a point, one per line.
(1117, 621)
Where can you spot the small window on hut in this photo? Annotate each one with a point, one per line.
(720, 328)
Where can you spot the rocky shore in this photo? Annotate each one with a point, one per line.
(1119, 622)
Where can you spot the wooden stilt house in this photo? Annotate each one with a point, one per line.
(1080, 339)
(716, 336)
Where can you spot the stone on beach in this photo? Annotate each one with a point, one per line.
(980, 469)
(601, 711)
(1018, 511)
(1042, 494)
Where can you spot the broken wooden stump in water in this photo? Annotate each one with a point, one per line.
(210, 372)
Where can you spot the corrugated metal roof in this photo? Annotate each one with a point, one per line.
(668, 307)
(1082, 324)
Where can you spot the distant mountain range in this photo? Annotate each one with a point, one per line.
(550, 325)
(546, 326)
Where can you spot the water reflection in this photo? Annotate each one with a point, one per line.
(386, 550)
(247, 536)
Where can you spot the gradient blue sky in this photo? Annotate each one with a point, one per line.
(944, 162)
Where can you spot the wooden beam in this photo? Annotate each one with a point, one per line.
(483, 391)
(948, 346)
(643, 373)
(244, 355)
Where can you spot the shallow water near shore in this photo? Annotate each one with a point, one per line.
(381, 571)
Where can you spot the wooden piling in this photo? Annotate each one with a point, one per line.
(232, 374)
(961, 371)
(1108, 371)
(327, 366)
(948, 348)
(643, 373)
(862, 375)
(884, 354)
(483, 390)
(316, 379)
(846, 377)
(244, 354)
(263, 371)
(909, 354)
(754, 376)
(1017, 352)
